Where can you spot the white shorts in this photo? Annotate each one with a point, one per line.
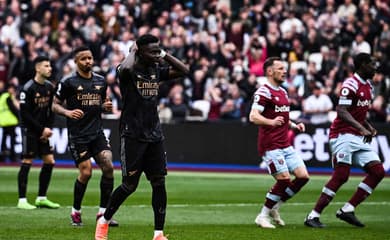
(282, 160)
(350, 149)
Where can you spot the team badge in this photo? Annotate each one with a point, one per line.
(281, 161)
(344, 91)
(22, 96)
(340, 155)
(277, 99)
(98, 87)
(362, 94)
(153, 77)
(37, 95)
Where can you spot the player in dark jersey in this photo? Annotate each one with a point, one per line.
(36, 122)
(270, 110)
(84, 95)
(142, 147)
(350, 136)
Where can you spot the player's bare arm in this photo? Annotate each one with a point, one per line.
(129, 61)
(257, 118)
(179, 68)
(58, 108)
(342, 112)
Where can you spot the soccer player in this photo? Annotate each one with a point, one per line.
(270, 110)
(142, 147)
(350, 136)
(84, 95)
(36, 117)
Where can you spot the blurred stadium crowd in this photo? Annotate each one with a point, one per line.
(224, 42)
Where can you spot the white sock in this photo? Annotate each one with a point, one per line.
(101, 210)
(348, 207)
(313, 214)
(278, 205)
(265, 211)
(75, 210)
(22, 200)
(157, 232)
(102, 220)
(40, 198)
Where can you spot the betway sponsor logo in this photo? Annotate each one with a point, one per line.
(363, 103)
(283, 108)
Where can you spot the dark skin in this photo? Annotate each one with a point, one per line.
(366, 71)
(149, 54)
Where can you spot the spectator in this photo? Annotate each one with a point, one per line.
(317, 106)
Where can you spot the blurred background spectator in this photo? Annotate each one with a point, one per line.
(224, 42)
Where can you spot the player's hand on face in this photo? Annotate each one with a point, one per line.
(75, 114)
(278, 121)
(107, 105)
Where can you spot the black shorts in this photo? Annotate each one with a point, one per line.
(33, 146)
(147, 157)
(84, 151)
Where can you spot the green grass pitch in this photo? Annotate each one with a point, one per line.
(201, 206)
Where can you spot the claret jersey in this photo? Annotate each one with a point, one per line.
(357, 94)
(140, 88)
(87, 95)
(272, 102)
(35, 106)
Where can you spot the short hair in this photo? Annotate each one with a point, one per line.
(146, 39)
(40, 59)
(360, 59)
(269, 62)
(80, 49)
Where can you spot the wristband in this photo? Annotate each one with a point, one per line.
(163, 53)
(293, 125)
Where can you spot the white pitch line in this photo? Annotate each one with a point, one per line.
(219, 205)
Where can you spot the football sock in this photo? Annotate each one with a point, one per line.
(274, 195)
(313, 214)
(369, 183)
(44, 178)
(101, 210)
(117, 198)
(159, 203)
(106, 186)
(339, 177)
(22, 179)
(79, 191)
(265, 211)
(157, 232)
(348, 207)
(74, 210)
(294, 187)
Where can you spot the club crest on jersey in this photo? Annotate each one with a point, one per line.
(283, 108)
(37, 95)
(80, 88)
(277, 98)
(153, 77)
(281, 161)
(98, 87)
(340, 155)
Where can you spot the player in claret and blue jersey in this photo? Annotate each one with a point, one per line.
(350, 137)
(270, 110)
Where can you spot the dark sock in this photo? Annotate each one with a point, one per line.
(159, 203)
(44, 179)
(106, 186)
(22, 179)
(117, 198)
(78, 195)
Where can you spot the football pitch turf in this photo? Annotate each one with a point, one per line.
(201, 206)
